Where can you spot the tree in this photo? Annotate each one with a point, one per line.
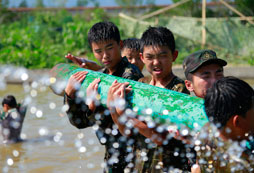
(23, 3)
(39, 3)
(81, 3)
(134, 2)
(129, 2)
(245, 6)
(4, 3)
(60, 3)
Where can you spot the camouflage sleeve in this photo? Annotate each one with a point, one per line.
(180, 87)
(132, 74)
(78, 112)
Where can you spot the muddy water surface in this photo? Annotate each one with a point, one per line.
(52, 144)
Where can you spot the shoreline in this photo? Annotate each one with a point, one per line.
(242, 72)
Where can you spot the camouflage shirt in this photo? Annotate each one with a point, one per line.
(176, 84)
(81, 117)
(151, 158)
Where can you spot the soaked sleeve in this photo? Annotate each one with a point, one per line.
(132, 74)
(78, 112)
(181, 88)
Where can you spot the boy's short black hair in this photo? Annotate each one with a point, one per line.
(228, 96)
(132, 43)
(158, 36)
(103, 31)
(10, 101)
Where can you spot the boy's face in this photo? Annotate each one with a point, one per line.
(158, 60)
(204, 78)
(247, 122)
(107, 53)
(248, 125)
(5, 108)
(133, 57)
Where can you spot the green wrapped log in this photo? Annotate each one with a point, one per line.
(162, 105)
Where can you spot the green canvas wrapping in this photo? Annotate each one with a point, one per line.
(162, 105)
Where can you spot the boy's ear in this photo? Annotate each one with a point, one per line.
(175, 54)
(189, 85)
(141, 57)
(238, 121)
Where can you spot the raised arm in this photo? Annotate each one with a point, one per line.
(83, 62)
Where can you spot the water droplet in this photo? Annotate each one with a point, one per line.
(176, 153)
(108, 131)
(115, 145)
(82, 149)
(15, 153)
(95, 127)
(33, 93)
(80, 135)
(24, 76)
(103, 140)
(197, 142)
(39, 114)
(23, 136)
(34, 84)
(65, 108)
(185, 132)
(10, 162)
(33, 110)
(127, 131)
(149, 111)
(52, 105)
(43, 131)
(114, 132)
(52, 80)
(165, 112)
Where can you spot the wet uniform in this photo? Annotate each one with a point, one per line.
(81, 117)
(11, 123)
(152, 158)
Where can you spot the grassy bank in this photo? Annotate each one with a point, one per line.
(41, 39)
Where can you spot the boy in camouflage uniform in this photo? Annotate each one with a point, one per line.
(158, 53)
(131, 50)
(12, 119)
(202, 69)
(104, 39)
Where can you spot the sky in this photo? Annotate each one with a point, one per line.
(72, 3)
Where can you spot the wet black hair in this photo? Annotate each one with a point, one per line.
(158, 36)
(10, 101)
(228, 96)
(132, 43)
(103, 31)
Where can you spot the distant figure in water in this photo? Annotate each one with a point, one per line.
(11, 119)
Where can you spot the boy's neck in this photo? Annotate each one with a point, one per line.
(162, 82)
(113, 69)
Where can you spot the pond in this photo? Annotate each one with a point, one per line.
(53, 144)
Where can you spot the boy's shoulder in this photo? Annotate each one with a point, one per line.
(128, 70)
(177, 84)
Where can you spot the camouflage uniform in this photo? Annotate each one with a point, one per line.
(81, 117)
(152, 158)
